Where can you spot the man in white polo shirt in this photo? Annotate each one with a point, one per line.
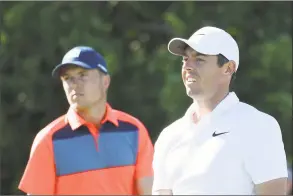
(221, 146)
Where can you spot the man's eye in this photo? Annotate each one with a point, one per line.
(82, 74)
(199, 60)
(184, 59)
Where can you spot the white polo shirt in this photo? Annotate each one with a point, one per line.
(227, 152)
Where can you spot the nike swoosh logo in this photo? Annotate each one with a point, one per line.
(217, 134)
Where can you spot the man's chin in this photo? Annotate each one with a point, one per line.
(194, 94)
(78, 106)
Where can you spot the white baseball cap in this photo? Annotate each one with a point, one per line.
(210, 41)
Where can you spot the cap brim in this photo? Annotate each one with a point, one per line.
(57, 69)
(177, 46)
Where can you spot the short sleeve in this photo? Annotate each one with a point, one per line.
(264, 153)
(39, 175)
(143, 166)
(161, 180)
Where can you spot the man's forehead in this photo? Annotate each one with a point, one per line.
(70, 68)
(190, 51)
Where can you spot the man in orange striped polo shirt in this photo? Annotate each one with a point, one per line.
(92, 149)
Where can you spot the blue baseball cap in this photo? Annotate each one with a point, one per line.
(82, 56)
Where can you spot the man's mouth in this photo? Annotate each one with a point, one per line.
(189, 79)
(76, 94)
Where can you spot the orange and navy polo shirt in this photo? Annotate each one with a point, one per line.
(71, 156)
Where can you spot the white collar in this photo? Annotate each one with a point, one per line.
(230, 100)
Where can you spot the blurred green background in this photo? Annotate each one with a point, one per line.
(146, 79)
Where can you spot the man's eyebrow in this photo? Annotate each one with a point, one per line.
(82, 71)
(63, 75)
(200, 54)
(197, 53)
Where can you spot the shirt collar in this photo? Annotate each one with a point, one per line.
(230, 100)
(75, 121)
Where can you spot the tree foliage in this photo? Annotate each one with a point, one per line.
(146, 79)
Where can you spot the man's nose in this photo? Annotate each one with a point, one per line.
(74, 82)
(188, 66)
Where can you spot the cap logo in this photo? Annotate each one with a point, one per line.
(72, 54)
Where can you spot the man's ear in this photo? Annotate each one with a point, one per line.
(106, 81)
(230, 68)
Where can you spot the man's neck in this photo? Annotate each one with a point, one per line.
(93, 114)
(206, 106)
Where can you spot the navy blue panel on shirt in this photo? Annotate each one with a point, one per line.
(75, 151)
